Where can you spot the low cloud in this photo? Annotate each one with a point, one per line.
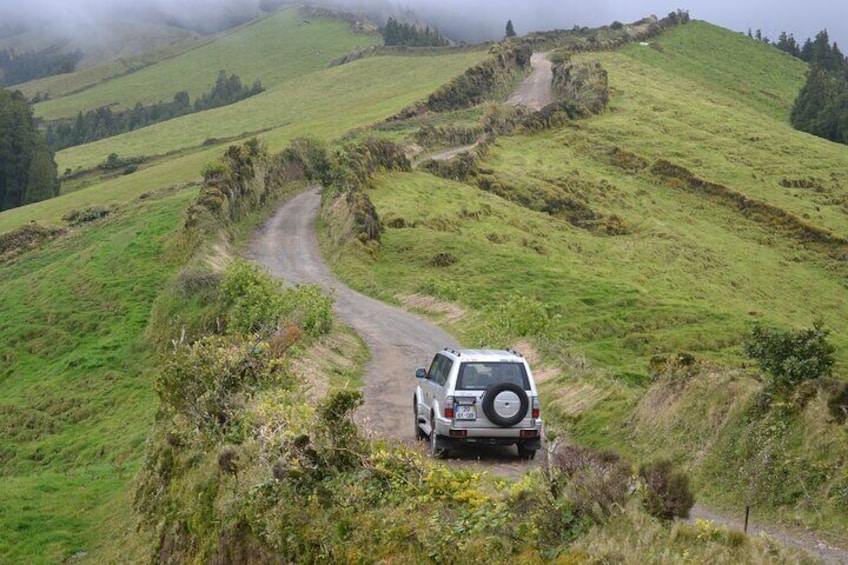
(80, 15)
(467, 20)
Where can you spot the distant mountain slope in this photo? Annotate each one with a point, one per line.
(103, 42)
(275, 49)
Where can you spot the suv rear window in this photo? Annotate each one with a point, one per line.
(480, 376)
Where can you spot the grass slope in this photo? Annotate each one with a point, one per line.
(765, 78)
(325, 103)
(118, 41)
(691, 273)
(77, 397)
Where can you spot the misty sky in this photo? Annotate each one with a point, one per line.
(479, 19)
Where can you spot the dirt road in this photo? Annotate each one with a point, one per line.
(399, 342)
(287, 246)
(536, 91)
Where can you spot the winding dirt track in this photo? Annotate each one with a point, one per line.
(287, 246)
(399, 342)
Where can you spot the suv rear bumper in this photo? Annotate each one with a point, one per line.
(446, 442)
(450, 433)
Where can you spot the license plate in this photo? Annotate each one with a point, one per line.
(466, 412)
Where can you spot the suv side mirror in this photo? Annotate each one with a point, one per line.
(420, 373)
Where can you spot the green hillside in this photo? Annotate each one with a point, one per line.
(77, 366)
(275, 50)
(304, 99)
(678, 219)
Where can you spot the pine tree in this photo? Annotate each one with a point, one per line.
(510, 30)
(786, 42)
(27, 169)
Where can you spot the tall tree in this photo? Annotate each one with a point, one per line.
(27, 169)
(510, 30)
(786, 42)
(822, 106)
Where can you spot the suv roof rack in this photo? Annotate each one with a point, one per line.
(452, 350)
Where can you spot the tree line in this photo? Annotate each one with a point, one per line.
(411, 35)
(17, 68)
(27, 169)
(821, 108)
(822, 105)
(103, 122)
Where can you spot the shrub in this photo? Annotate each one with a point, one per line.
(310, 155)
(88, 214)
(310, 309)
(213, 169)
(443, 259)
(255, 302)
(667, 494)
(366, 226)
(114, 161)
(596, 482)
(345, 447)
(791, 357)
(252, 298)
(204, 382)
(26, 237)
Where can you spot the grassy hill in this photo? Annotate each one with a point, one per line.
(77, 366)
(632, 266)
(305, 99)
(275, 49)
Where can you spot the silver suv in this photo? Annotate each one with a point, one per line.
(477, 396)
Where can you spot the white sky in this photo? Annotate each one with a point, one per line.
(488, 17)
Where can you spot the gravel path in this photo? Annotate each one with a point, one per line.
(399, 342)
(806, 541)
(287, 246)
(536, 91)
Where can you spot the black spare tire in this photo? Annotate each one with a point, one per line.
(499, 404)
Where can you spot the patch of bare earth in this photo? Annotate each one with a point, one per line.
(541, 372)
(444, 312)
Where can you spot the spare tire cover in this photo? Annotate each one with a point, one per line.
(505, 404)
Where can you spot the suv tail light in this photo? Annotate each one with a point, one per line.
(536, 407)
(449, 401)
